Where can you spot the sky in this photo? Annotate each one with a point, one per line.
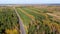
(29, 1)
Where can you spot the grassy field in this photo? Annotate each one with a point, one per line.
(36, 20)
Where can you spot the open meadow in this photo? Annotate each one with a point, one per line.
(30, 20)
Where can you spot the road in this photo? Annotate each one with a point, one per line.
(20, 22)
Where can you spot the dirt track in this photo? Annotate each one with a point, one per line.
(58, 17)
(20, 22)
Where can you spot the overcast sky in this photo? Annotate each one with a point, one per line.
(29, 1)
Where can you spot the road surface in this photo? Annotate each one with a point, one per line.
(20, 22)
